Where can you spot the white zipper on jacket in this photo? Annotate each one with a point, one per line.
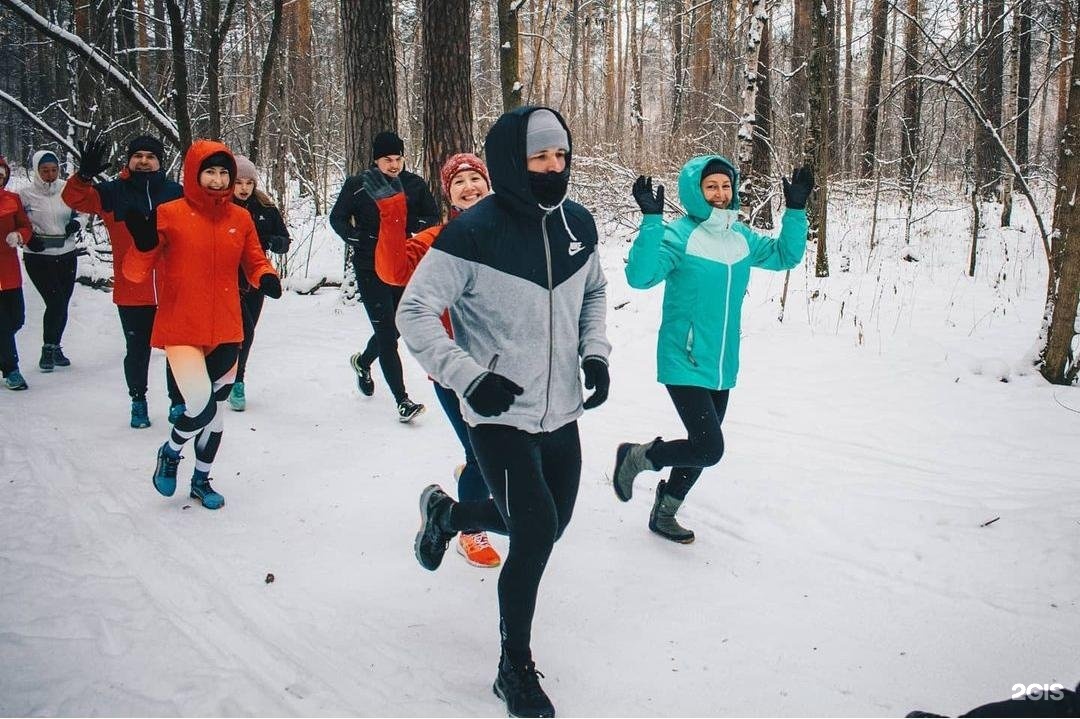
(727, 316)
(551, 316)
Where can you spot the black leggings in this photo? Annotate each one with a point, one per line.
(251, 305)
(54, 278)
(533, 480)
(381, 302)
(12, 315)
(138, 324)
(702, 412)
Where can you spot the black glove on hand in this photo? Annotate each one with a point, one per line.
(71, 228)
(596, 376)
(493, 395)
(92, 157)
(798, 190)
(36, 244)
(143, 229)
(643, 194)
(270, 285)
(376, 184)
(278, 243)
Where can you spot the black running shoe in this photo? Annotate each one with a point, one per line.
(520, 688)
(364, 382)
(408, 410)
(433, 537)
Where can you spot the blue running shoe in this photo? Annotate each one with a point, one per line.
(202, 491)
(15, 381)
(175, 411)
(237, 400)
(139, 416)
(165, 472)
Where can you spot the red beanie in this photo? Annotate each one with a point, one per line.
(459, 163)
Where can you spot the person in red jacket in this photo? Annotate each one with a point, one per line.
(15, 230)
(141, 186)
(465, 182)
(197, 243)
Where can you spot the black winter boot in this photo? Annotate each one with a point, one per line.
(662, 519)
(519, 687)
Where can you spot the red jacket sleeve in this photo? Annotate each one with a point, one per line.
(396, 256)
(22, 221)
(80, 195)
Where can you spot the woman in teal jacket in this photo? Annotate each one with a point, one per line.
(705, 259)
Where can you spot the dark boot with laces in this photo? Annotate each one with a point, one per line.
(165, 472)
(435, 532)
(519, 687)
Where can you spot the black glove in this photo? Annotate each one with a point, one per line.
(493, 395)
(797, 191)
(92, 157)
(376, 184)
(643, 194)
(36, 244)
(71, 228)
(270, 285)
(143, 229)
(278, 243)
(596, 375)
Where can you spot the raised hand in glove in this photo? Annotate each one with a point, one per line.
(92, 157)
(649, 203)
(493, 395)
(596, 376)
(376, 184)
(71, 228)
(270, 285)
(143, 229)
(36, 244)
(797, 190)
(13, 239)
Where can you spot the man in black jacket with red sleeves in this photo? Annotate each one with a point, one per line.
(355, 218)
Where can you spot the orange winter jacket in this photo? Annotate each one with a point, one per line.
(202, 239)
(396, 256)
(12, 219)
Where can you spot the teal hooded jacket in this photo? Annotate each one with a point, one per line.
(704, 259)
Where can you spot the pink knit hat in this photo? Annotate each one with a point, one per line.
(459, 163)
(245, 169)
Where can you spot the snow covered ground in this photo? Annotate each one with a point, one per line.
(841, 567)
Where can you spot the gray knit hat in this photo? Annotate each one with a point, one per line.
(245, 169)
(545, 131)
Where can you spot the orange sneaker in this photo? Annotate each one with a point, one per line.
(477, 550)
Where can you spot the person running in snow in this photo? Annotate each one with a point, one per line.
(198, 242)
(521, 277)
(356, 219)
(704, 259)
(465, 182)
(50, 255)
(141, 186)
(16, 230)
(274, 237)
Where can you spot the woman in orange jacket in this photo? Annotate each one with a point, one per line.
(197, 243)
(465, 182)
(15, 230)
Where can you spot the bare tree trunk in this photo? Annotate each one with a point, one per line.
(448, 121)
(678, 56)
(370, 89)
(849, 98)
(636, 111)
(1023, 83)
(873, 87)
(264, 82)
(817, 149)
(911, 116)
(1064, 46)
(991, 70)
(179, 60)
(144, 56)
(752, 189)
(800, 54)
(1058, 363)
(701, 69)
(610, 24)
(762, 162)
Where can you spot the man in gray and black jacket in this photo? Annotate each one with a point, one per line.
(522, 279)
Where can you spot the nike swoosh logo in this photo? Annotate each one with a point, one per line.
(575, 247)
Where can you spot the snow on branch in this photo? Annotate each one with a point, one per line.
(34, 118)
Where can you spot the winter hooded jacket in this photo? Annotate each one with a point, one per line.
(269, 226)
(12, 219)
(705, 259)
(113, 200)
(356, 218)
(525, 291)
(202, 239)
(48, 213)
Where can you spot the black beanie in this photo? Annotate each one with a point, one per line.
(145, 143)
(715, 166)
(220, 159)
(386, 143)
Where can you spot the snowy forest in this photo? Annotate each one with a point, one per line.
(894, 523)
